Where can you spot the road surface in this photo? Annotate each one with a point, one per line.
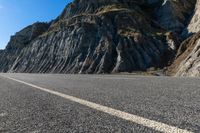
(56, 103)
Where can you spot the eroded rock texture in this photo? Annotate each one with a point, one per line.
(186, 57)
(18, 42)
(191, 65)
(187, 62)
(194, 25)
(174, 14)
(101, 36)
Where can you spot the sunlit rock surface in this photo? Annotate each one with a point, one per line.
(102, 36)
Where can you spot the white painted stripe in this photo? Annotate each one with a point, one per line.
(158, 126)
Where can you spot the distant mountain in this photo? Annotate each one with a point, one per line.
(110, 36)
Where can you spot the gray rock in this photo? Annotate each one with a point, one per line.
(18, 42)
(174, 14)
(191, 65)
(103, 42)
(194, 25)
(102, 36)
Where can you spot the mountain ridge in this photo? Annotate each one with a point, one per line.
(105, 36)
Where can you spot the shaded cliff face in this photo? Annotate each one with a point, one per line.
(174, 14)
(102, 36)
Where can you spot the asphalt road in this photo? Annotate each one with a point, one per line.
(26, 109)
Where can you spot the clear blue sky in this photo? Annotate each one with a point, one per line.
(17, 14)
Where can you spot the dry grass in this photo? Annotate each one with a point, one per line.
(111, 8)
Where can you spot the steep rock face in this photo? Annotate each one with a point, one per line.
(184, 52)
(187, 61)
(173, 14)
(194, 25)
(90, 6)
(190, 66)
(18, 42)
(101, 36)
(112, 38)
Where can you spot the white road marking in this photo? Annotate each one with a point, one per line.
(158, 126)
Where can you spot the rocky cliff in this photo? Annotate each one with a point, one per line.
(18, 42)
(190, 66)
(194, 26)
(187, 61)
(103, 36)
